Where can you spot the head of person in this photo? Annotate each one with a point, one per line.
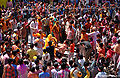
(56, 65)
(71, 62)
(118, 41)
(10, 61)
(63, 66)
(17, 43)
(36, 61)
(49, 63)
(75, 65)
(86, 64)
(32, 69)
(77, 51)
(37, 67)
(36, 44)
(101, 45)
(70, 27)
(31, 45)
(100, 68)
(50, 43)
(39, 57)
(44, 50)
(20, 61)
(71, 41)
(108, 47)
(14, 52)
(44, 68)
(81, 56)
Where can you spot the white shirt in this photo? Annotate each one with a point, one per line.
(101, 75)
(81, 62)
(33, 27)
(46, 57)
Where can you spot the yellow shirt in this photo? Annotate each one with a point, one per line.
(32, 53)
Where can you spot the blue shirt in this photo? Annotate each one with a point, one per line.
(15, 67)
(44, 75)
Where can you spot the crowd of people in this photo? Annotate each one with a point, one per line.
(60, 39)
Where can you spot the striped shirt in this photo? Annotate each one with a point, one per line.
(64, 73)
(54, 73)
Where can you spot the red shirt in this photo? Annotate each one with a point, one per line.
(72, 46)
(102, 51)
(9, 71)
(110, 53)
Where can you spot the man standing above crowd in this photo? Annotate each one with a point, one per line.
(117, 52)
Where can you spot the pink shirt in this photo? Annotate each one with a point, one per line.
(22, 71)
(70, 35)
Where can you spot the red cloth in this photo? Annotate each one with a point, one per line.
(102, 51)
(72, 46)
(110, 53)
(9, 71)
(92, 44)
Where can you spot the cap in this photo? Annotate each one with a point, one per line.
(15, 30)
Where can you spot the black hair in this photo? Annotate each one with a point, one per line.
(63, 66)
(32, 69)
(59, 55)
(56, 64)
(81, 56)
(104, 33)
(39, 57)
(116, 34)
(75, 65)
(50, 43)
(77, 51)
(71, 62)
(44, 68)
(44, 50)
(10, 60)
(36, 44)
(14, 61)
(101, 68)
(98, 40)
(101, 45)
(26, 62)
(49, 63)
(71, 21)
(20, 61)
(17, 42)
(36, 61)
(109, 47)
(31, 46)
(14, 52)
(2, 42)
(64, 60)
(91, 38)
(86, 64)
(118, 41)
(37, 67)
(71, 40)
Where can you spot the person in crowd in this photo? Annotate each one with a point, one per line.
(101, 73)
(32, 73)
(9, 70)
(88, 31)
(31, 52)
(22, 69)
(44, 74)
